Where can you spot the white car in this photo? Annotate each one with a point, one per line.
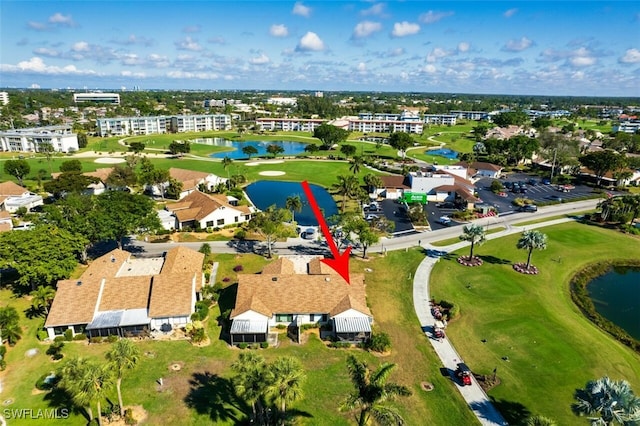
(310, 234)
(444, 220)
(371, 217)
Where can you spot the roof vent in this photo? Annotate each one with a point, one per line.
(113, 258)
(327, 279)
(79, 283)
(274, 278)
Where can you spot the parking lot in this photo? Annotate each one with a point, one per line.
(392, 211)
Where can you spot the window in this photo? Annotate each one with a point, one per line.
(209, 224)
(284, 317)
(325, 317)
(78, 329)
(220, 222)
(312, 317)
(237, 219)
(59, 331)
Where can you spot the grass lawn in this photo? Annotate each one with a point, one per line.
(552, 348)
(450, 241)
(201, 393)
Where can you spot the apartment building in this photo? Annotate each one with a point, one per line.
(631, 126)
(441, 119)
(471, 115)
(61, 138)
(288, 124)
(110, 98)
(367, 122)
(132, 126)
(4, 98)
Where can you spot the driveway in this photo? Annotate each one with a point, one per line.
(391, 210)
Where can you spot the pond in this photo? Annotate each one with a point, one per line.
(443, 152)
(616, 296)
(265, 193)
(290, 148)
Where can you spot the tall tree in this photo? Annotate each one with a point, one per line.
(531, 240)
(372, 181)
(401, 141)
(71, 166)
(248, 150)
(250, 381)
(294, 204)
(347, 150)
(19, 169)
(122, 356)
(122, 177)
(226, 164)
(136, 147)
(47, 150)
(363, 232)
(69, 183)
(42, 297)
(270, 225)
(275, 149)
(330, 135)
(355, 164)
(602, 162)
(179, 148)
(153, 176)
(285, 377)
(475, 234)
(347, 186)
(607, 402)
(10, 329)
(372, 391)
(174, 189)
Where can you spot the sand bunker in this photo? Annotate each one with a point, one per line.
(271, 173)
(108, 160)
(258, 163)
(253, 163)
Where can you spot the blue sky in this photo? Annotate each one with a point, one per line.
(515, 47)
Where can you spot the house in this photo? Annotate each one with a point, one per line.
(14, 196)
(6, 224)
(98, 187)
(191, 181)
(207, 210)
(280, 296)
(393, 186)
(121, 295)
(480, 169)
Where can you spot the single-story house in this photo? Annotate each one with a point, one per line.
(14, 196)
(480, 169)
(121, 295)
(393, 186)
(98, 187)
(191, 181)
(6, 224)
(280, 296)
(207, 211)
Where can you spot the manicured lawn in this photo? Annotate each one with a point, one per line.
(551, 348)
(449, 241)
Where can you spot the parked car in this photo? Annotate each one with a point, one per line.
(529, 208)
(445, 220)
(309, 234)
(556, 198)
(546, 181)
(371, 216)
(532, 182)
(463, 373)
(508, 185)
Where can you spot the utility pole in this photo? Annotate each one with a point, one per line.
(553, 164)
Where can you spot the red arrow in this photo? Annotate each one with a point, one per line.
(340, 262)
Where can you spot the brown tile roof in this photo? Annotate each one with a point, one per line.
(316, 267)
(4, 227)
(125, 293)
(190, 178)
(171, 295)
(480, 165)
(395, 182)
(102, 173)
(279, 266)
(73, 304)
(184, 260)
(106, 266)
(5, 215)
(10, 188)
(299, 293)
(204, 203)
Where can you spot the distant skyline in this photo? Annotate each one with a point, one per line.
(576, 48)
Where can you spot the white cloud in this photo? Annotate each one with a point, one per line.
(362, 67)
(260, 60)
(128, 73)
(46, 51)
(310, 42)
(34, 86)
(429, 69)
(217, 40)
(36, 65)
(38, 26)
(438, 53)
(301, 10)
(392, 53)
(463, 46)
(191, 29)
(631, 56)
(131, 59)
(582, 61)
(279, 30)
(517, 45)
(509, 13)
(404, 28)
(188, 44)
(365, 29)
(432, 17)
(159, 61)
(81, 46)
(62, 20)
(375, 10)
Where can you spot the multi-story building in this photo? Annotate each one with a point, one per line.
(4, 98)
(289, 124)
(367, 122)
(130, 126)
(61, 138)
(472, 115)
(631, 126)
(442, 119)
(110, 98)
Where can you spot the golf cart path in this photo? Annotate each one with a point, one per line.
(474, 395)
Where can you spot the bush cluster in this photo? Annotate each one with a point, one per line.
(202, 310)
(55, 350)
(379, 342)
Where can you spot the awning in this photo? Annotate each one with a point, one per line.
(134, 317)
(352, 324)
(109, 319)
(242, 326)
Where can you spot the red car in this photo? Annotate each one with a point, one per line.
(464, 374)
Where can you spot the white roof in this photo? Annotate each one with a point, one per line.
(352, 324)
(245, 326)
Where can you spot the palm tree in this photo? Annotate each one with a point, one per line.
(42, 298)
(532, 240)
(72, 379)
(372, 181)
(123, 355)
(251, 381)
(293, 203)
(12, 333)
(286, 376)
(96, 382)
(540, 421)
(347, 186)
(607, 402)
(355, 164)
(475, 234)
(372, 391)
(226, 163)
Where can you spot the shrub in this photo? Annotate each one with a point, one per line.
(454, 311)
(59, 339)
(68, 335)
(339, 345)
(95, 339)
(243, 345)
(264, 345)
(240, 234)
(128, 417)
(42, 335)
(305, 327)
(55, 349)
(80, 336)
(195, 316)
(254, 346)
(112, 338)
(496, 186)
(379, 342)
(281, 326)
(46, 382)
(238, 268)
